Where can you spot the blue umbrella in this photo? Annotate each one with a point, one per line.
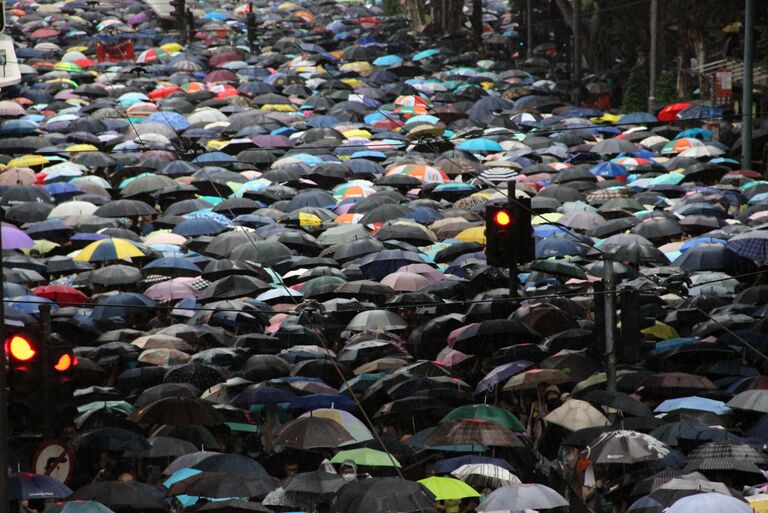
(78, 507)
(752, 245)
(170, 118)
(198, 226)
(425, 54)
(480, 146)
(262, 395)
(173, 263)
(637, 118)
(556, 247)
(35, 486)
(693, 403)
(671, 344)
(389, 60)
(317, 401)
(609, 170)
(121, 305)
(502, 373)
(709, 503)
(30, 304)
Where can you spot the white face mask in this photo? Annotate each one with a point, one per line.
(348, 476)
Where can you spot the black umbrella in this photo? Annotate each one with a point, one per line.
(178, 411)
(111, 439)
(223, 485)
(125, 208)
(383, 494)
(316, 483)
(124, 495)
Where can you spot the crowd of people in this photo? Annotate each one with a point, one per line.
(262, 252)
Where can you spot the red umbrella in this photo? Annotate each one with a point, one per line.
(670, 112)
(60, 294)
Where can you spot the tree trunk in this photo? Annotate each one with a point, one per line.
(414, 10)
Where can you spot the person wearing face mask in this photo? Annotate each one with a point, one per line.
(348, 470)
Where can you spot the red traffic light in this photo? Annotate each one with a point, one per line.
(20, 348)
(502, 218)
(66, 362)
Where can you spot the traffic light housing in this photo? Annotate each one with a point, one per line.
(39, 375)
(508, 234)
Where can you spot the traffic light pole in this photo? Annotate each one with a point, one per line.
(610, 322)
(45, 361)
(4, 504)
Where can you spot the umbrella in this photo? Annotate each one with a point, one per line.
(472, 432)
(311, 432)
(575, 414)
(625, 446)
(521, 497)
(709, 503)
(447, 488)
(24, 485)
(385, 494)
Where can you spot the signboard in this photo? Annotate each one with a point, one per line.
(54, 459)
(723, 90)
(115, 52)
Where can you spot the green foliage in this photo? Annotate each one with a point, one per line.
(666, 88)
(392, 7)
(635, 90)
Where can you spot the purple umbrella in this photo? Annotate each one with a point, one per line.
(502, 373)
(138, 19)
(13, 238)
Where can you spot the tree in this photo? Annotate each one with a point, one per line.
(636, 89)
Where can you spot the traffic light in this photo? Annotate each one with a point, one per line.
(38, 379)
(508, 234)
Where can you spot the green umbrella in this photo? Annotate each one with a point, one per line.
(367, 458)
(488, 413)
(448, 488)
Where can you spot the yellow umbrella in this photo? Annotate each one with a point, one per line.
(361, 68)
(758, 502)
(42, 247)
(309, 220)
(474, 234)
(279, 107)
(215, 144)
(28, 161)
(172, 47)
(108, 249)
(80, 148)
(661, 331)
(359, 133)
(77, 48)
(549, 217)
(353, 82)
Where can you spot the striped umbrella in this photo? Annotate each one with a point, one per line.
(109, 249)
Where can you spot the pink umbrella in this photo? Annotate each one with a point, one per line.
(425, 270)
(451, 358)
(405, 282)
(177, 288)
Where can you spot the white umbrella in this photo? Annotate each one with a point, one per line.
(520, 497)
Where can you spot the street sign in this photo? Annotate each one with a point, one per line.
(723, 90)
(55, 459)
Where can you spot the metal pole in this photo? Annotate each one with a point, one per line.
(746, 129)
(45, 363)
(576, 52)
(610, 322)
(3, 399)
(653, 55)
(529, 28)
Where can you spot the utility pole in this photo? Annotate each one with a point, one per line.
(529, 28)
(653, 55)
(610, 322)
(576, 53)
(746, 121)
